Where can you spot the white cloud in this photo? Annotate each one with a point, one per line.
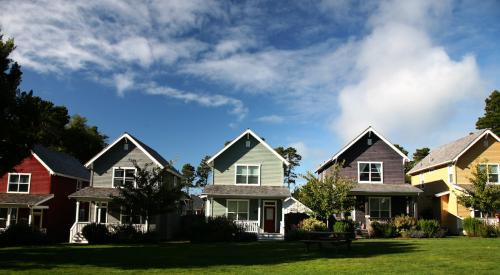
(123, 82)
(273, 119)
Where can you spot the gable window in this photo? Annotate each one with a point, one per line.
(370, 172)
(248, 174)
(450, 173)
(380, 207)
(237, 210)
(491, 171)
(19, 183)
(122, 175)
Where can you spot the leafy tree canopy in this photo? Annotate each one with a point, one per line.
(203, 172)
(293, 157)
(491, 117)
(189, 175)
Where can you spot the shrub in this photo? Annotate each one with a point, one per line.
(487, 230)
(382, 230)
(417, 234)
(404, 223)
(311, 224)
(125, 234)
(471, 226)
(22, 234)
(217, 229)
(245, 237)
(296, 234)
(96, 233)
(429, 227)
(344, 226)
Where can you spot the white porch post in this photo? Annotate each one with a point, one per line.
(7, 224)
(207, 210)
(30, 215)
(77, 211)
(408, 200)
(258, 214)
(95, 212)
(415, 208)
(282, 227)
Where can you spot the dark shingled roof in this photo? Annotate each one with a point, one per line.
(246, 191)
(446, 152)
(95, 193)
(61, 163)
(385, 189)
(24, 199)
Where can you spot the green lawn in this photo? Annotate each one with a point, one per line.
(442, 256)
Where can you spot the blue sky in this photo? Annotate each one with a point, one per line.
(185, 76)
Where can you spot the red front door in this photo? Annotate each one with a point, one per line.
(269, 219)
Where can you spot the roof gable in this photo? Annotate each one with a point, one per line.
(60, 164)
(148, 151)
(450, 152)
(370, 129)
(261, 141)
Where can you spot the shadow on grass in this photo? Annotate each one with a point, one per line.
(185, 255)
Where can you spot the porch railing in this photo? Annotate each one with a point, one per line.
(249, 226)
(78, 226)
(490, 221)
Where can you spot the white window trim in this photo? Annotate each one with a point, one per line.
(487, 173)
(121, 216)
(275, 205)
(390, 206)
(237, 200)
(119, 167)
(20, 174)
(451, 173)
(381, 172)
(99, 206)
(236, 174)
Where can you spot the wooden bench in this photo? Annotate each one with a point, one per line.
(333, 238)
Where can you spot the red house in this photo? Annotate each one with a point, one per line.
(36, 192)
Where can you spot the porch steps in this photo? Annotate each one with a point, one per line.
(79, 238)
(270, 237)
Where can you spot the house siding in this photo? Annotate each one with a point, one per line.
(475, 155)
(116, 156)
(393, 167)
(271, 171)
(40, 177)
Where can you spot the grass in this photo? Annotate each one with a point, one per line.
(454, 255)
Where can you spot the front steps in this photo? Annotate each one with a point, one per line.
(270, 237)
(79, 238)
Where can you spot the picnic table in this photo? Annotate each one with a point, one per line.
(333, 238)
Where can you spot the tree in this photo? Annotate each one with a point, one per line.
(189, 175)
(203, 172)
(482, 196)
(81, 140)
(151, 194)
(420, 154)
(402, 149)
(292, 156)
(491, 118)
(328, 196)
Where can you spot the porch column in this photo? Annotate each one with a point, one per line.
(207, 210)
(258, 213)
(30, 215)
(95, 212)
(408, 200)
(77, 211)
(282, 225)
(415, 208)
(7, 224)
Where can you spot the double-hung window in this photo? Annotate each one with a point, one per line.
(370, 172)
(123, 176)
(491, 171)
(247, 174)
(237, 210)
(19, 183)
(380, 207)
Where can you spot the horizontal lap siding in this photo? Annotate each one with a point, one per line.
(477, 154)
(393, 168)
(271, 166)
(219, 208)
(40, 177)
(116, 157)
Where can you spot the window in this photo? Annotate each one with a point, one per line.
(247, 174)
(19, 183)
(491, 171)
(129, 218)
(380, 207)
(122, 176)
(450, 173)
(102, 212)
(370, 171)
(3, 217)
(237, 210)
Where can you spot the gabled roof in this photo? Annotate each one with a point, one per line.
(369, 129)
(248, 132)
(450, 152)
(239, 191)
(24, 199)
(148, 151)
(60, 164)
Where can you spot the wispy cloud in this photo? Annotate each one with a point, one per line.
(273, 119)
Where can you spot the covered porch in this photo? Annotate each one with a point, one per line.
(24, 208)
(381, 202)
(257, 209)
(94, 205)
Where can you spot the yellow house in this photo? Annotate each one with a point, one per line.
(446, 171)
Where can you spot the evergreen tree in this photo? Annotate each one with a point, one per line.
(491, 118)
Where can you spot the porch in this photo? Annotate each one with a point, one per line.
(24, 209)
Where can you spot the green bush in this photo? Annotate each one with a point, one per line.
(344, 226)
(22, 234)
(429, 227)
(125, 234)
(311, 224)
(96, 233)
(487, 230)
(404, 223)
(382, 230)
(215, 229)
(296, 234)
(245, 237)
(472, 226)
